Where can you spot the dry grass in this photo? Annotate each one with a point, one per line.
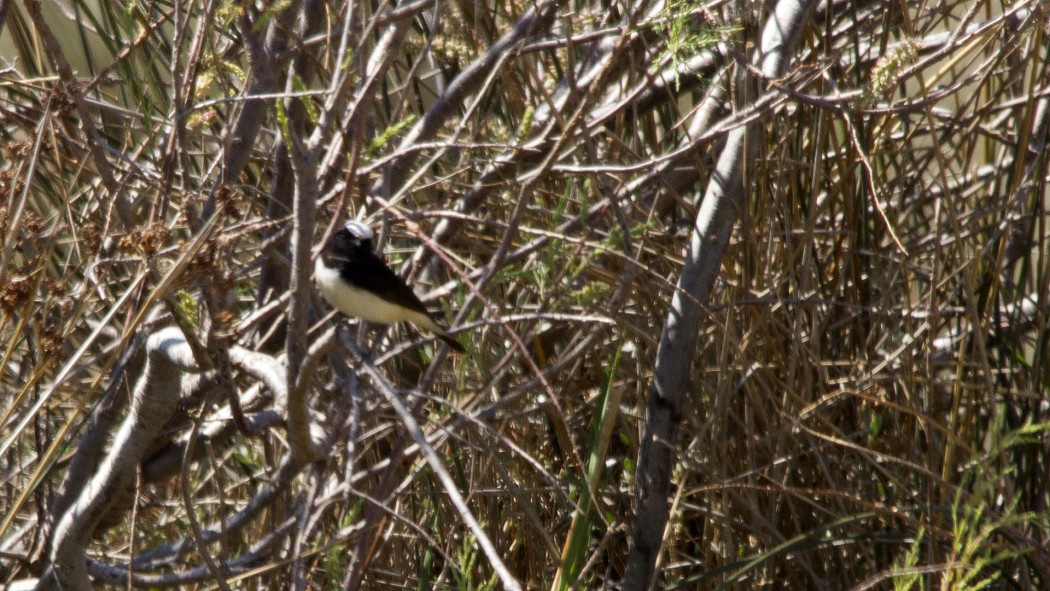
(868, 402)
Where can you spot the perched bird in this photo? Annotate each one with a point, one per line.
(358, 283)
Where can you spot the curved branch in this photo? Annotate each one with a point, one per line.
(725, 194)
(156, 396)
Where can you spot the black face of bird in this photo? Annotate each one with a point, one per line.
(354, 238)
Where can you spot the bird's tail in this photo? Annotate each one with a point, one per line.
(425, 321)
(452, 342)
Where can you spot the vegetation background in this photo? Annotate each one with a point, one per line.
(746, 305)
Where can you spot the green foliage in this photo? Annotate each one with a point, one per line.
(464, 577)
(392, 131)
(911, 580)
(271, 12)
(687, 34)
(187, 308)
(979, 517)
(581, 534)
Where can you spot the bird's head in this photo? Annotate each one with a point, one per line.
(354, 238)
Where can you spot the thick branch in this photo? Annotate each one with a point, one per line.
(156, 396)
(725, 194)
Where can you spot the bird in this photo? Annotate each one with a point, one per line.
(355, 281)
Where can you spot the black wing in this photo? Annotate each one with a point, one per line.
(369, 273)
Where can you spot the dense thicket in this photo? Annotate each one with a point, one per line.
(754, 294)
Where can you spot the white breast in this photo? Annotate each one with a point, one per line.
(359, 303)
